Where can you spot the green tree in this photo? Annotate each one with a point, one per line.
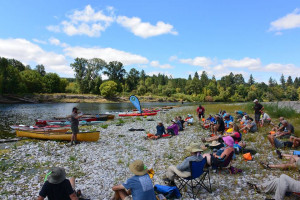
(282, 81)
(132, 79)
(63, 84)
(41, 70)
(251, 80)
(52, 83)
(33, 81)
(291, 93)
(108, 89)
(87, 73)
(289, 81)
(16, 64)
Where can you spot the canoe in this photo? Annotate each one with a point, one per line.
(97, 117)
(44, 122)
(82, 136)
(40, 129)
(80, 123)
(136, 114)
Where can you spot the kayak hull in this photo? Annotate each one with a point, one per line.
(83, 137)
(136, 114)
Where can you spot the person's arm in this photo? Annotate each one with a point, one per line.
(262, 108)
(118, 187)
(184, 165)
(40, 198)
(73, 196)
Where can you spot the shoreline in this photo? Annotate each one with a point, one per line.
(100, 165)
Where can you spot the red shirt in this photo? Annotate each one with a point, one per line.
(200, 109)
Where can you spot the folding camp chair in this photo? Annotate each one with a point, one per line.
(197, 178)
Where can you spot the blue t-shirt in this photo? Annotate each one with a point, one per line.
(211, 119)
(227, 122)
(141, 187)
(160, 130)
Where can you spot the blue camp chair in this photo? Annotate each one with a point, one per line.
(199, 175)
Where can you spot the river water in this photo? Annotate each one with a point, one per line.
(26, 114)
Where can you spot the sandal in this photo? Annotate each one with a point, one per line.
(254, 187)
(264, 165)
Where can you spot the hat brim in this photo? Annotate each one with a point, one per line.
(196, 150)
(53, 180)
(135, 172)
(214, 145)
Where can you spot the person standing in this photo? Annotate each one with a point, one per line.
(74, 125)
(258, 108)
(200, 112)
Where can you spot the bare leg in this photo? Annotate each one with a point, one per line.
(208, 158)
(284, 166)
(120, 194)
(211, 138)
(271, 140)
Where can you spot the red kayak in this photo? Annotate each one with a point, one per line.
(45, 121)
(137, 114)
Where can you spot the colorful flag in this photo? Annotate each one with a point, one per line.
(135, 101)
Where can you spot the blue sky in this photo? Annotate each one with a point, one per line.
(174, 37)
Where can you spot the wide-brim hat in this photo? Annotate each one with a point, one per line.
(138, 168)
(214, 143)
(57, 175)
(194, 147)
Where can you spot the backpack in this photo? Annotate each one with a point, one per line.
(168, 191)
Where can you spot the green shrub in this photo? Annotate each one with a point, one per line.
(275, 110)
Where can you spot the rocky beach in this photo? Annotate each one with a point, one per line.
(100, 165)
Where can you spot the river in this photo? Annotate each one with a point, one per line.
(26, 114)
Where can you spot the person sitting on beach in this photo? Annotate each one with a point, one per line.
(223, 114)
(264, 119)
(286, 131)
(244, 120)
(180, 123)
(216, 159)
(201, 112)
(227, 120)
(209, 122)
(160, 129)
(280, 186)
(276, 143)
(250, 127)
(139, 186)
(236, 135)
(56, 186)
(294, 162)
(183, 170)
(279, 127)
(189, 119)
(240, 114)
(173, 129)
(219, 127)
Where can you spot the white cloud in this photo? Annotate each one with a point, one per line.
(56, 42)
(285, 69)
(53, 28)
(156, 63)
(27, 52)
(145, 29)
(107, 54)
(290, 21)
(159, 72)
(173, 58)
(85, 22)
(250, 63)
(197, 61)
(39, 41)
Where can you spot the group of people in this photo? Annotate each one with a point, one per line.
(225, 142)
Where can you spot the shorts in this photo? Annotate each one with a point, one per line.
(74, 129)
(267, 121)
(201, 115)
(128, 198)
(257, 117)
(278, 144)
(252, 130)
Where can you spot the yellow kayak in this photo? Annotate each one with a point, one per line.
(82, 136)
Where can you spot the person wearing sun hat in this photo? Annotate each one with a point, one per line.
(218, 158)
(139, 186)
(183, 169)
(56, 186)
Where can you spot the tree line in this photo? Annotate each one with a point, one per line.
(18, 78)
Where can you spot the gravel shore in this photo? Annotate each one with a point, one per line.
(100, 165)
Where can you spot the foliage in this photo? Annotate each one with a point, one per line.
(280, 111)
(108, 89)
